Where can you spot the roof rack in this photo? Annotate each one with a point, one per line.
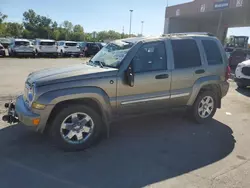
(189, 33)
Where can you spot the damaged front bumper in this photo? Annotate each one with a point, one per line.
(18, 111)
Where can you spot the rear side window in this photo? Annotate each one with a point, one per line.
(186, 53)
(212, 52)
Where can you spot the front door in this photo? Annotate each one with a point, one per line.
(152, 79)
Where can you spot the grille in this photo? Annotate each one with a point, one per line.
(246, 71)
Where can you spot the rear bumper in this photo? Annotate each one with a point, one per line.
(48, 53)
(72, 53)
(242, 81)
(24, 53)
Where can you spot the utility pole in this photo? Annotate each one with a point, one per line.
(130, 25)
(142, 22)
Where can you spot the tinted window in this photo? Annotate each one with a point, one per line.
(150, 57)
(22, 43)
(71, 44)
(48, 43)
(186, 53)
(212, 52)
(61, 43)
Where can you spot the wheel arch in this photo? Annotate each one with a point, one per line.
(211, 83)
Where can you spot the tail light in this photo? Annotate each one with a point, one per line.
(228, 72)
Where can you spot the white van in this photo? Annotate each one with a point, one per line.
(68, 48)
(46, 47)
(21, 47)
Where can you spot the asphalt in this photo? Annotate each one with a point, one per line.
(165, 150)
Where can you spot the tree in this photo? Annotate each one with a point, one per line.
(2, 17)
(13, 29)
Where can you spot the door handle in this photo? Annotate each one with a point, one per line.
(200, 71)
(161, 76)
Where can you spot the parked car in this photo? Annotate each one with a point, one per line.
(242, 74)
(68, 48)
(2, 51)
(5, 42)
(127, 77)
(21, 47)
(91, 49)
(46, 47)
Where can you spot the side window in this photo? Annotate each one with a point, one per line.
(186, 53)
(212, 52)
(150, 57)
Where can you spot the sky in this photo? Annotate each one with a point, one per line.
(97, 15)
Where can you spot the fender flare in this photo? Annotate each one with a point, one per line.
(201, 83)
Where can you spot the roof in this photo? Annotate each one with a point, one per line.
(139, 39)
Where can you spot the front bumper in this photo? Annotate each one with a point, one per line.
(24, 115)
(242, 81)
(19, 112)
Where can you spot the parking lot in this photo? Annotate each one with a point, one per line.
(165, 150)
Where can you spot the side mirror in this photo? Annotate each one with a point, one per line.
(130, 76)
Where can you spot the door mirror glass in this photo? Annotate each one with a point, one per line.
(130, 76)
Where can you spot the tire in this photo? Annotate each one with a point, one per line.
(197, 114)
(241, 86)
(56, 133)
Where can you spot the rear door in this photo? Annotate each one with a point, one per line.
(187, 69)
(152, 80)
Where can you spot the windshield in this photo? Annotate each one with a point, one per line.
(22, 43)
(47, 43)
(71, 44)
(112, 54)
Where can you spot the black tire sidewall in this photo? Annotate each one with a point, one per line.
(196, 116)
(240, 85)
(54, 130)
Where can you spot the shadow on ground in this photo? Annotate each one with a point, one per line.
(245, 91)
(140, 151)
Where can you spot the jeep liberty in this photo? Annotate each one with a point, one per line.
(74, 105)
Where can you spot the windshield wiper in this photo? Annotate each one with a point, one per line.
(99, 63)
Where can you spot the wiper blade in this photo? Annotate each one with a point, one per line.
(99, 63)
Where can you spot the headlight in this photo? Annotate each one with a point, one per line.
(38, 106)
(30, 93)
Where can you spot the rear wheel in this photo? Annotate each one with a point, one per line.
(76, 127)
(204, 107)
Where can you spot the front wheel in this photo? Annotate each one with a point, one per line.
(76, 127)
(204, 107)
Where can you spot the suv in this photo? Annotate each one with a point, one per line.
(21, 47)
(45, 47)
(242, 74)
(89, 48)
(127, 77)
(68, 48)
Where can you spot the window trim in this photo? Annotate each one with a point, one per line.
(166, 57)
(199, 50)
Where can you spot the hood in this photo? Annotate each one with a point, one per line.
(65, 74)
